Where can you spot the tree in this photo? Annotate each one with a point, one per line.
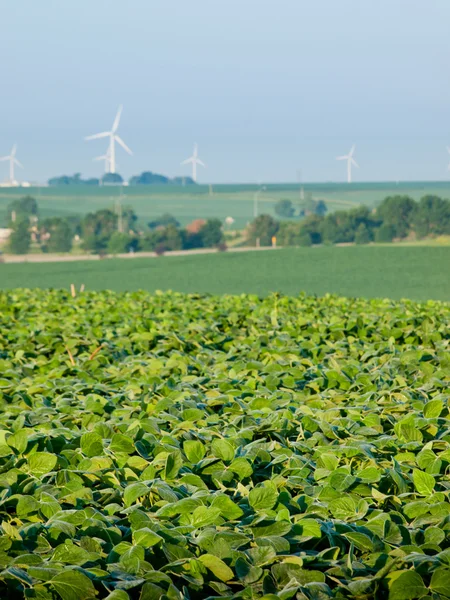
(312, 226)
(97, 228)
(211, 233)
(20, 238)
(284, 208)
(22, 208)
(163, 221)
(397, 211)
(120, 243)
(149, 178)
(384, 233)
(56, 235)
(72, 180)
(163, 239)
(432, 216)
(112, 178)
(320, 208)
(362, 234)
(263, 228)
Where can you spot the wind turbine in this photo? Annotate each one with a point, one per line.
(12, 161)
(448, 150)
(110, 164)
(350, 161)
(107, 160)
(194, 160)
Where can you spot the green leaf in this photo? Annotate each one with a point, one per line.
(440, 582)
(194, 451)
(133, 492)
(146, 537)
(262, 498)
(203, 516)
(174, 462)
(73, 585)
(217, 567)
(41, 463)
(223, 450)
(227, 507)
(91, 444)
(18, 441)
(423, 482)
(360, 540)
(121, 444)
(241, 467)
(407, 586)
(433, 409)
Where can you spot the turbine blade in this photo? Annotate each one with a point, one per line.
(187, 161)
(117, 119)
(18, 163)
(354, 162)
(14, 149)
(352, 150)
(5, 158)
(448, 149)
(96, 136)
(200, 162)
(100, 157)
(122, 143)
(342, 157)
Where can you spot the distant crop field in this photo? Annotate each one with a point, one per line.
(220, 201)
(418, 273)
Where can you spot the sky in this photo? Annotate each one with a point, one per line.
(267, 88)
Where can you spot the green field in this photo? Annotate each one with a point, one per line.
(174, 447)
(189, 203)
(419, 273)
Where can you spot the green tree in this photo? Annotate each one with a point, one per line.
(398, 212)
(111, 178)
(284, 208)
(384, 233)
(163, 239)
(120, 243)
(320, 208)
(211, 233)
(432, 216)
(163, 221)
(20, 238)
(22, 208)
(312, 226)
(97, 228)
(363, 234)
(56, 235)
(263, 228)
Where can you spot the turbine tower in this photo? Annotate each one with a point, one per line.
(194, 160)
(448, 150)
(110, 164)
(12, 162)
(350, 161)
(107, 160)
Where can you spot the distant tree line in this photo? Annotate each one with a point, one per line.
(396, 218)
(145, 178)
(105, 231)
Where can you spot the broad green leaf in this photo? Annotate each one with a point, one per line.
(440, 582)
(91, 444)
(407, 585)
(133, 492)
(423, 482)
(217, 567)
(174, 462)
(433, 409)
(73, 585)
(223, 450)
(41, 463)
(262, 498)
(146, 537)
(18, 441)
(194, 450)
(121, 444)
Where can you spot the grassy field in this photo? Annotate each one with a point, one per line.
(418, 273)
(188, 203)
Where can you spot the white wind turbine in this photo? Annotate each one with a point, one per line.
(12, 162)
(448, 150)
(350, 161)
(107, 160)
(194, 160)
(110, 164)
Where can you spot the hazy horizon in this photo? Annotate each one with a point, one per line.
(266, 90)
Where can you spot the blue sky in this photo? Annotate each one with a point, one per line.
(265, 87)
